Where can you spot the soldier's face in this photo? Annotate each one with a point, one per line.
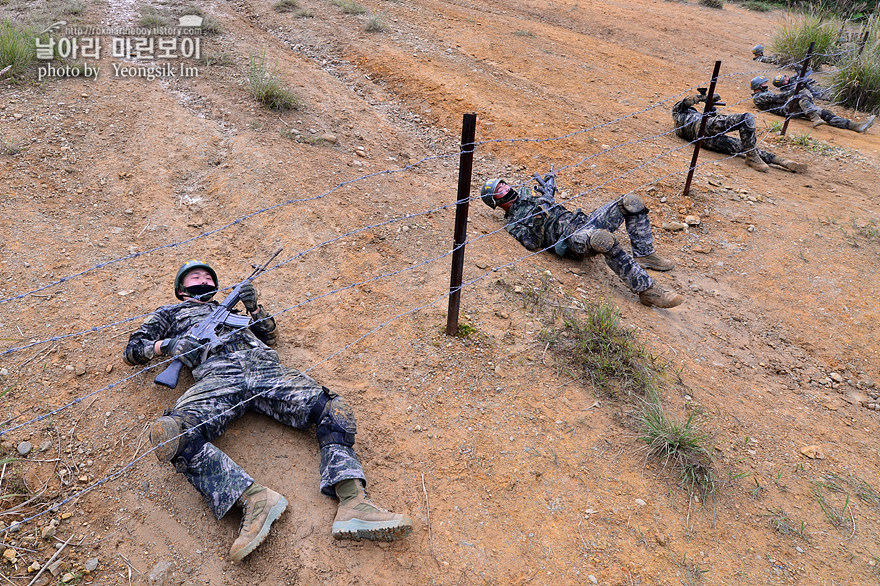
(197, 277)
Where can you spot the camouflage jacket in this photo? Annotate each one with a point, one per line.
(174, 321)
(539, 225)
(687, 118)
(773, 102)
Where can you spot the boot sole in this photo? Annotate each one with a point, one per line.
(648, 265)
(356, 530)
(274, 513)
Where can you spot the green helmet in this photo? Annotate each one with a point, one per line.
(757, 82)
(757, 49)
(187, 267)
(780, 80)
(493, 200)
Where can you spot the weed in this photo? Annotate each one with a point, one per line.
(17, 47)
(152, 18)
(793, 38)
(265, 86)
(864, 491)
(376, 24)
(465, 331)
(73, 8)
(680, 445)
(524, 34)
(713, 3)
(606, 351)
(11, 147)
(286, 5)
(693, 573)
(857, 79)
(221, 59)
(783, 525)
(757, 6)
(211, 25)
(836, 516)
(776, 126)
(349, 6)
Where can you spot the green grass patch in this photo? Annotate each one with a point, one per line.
(376, 24)
(152, 18)
(286, 5)
(678, 445)
(266, 88)
(17, 47)
(521, 33)
(838, 514)
(349, 6)
(792, 39)
(74, 8)
(713, 3)
(757, 6)
(782, 524)
(857, 79)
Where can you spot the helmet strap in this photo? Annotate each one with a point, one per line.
(200, 292)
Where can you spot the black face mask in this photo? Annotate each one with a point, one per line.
(200, 292)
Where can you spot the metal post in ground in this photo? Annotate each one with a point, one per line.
(465, 170)
(793, 104)
(710, 95)
(864, 40)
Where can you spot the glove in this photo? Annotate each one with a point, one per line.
(248, 296)
(186, 349)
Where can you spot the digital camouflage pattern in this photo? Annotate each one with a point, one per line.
(687, 125)
(778, 103)
(245, 375)
(539, 225)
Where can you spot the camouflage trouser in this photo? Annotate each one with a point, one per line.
(610, 217)
(228, 386)
(806, 108)
(715, 138)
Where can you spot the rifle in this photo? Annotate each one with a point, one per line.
(206, 331)
(715, 102)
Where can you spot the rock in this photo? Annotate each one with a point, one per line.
(640, 502)
(79, 369)
(328, 137)
(361, 154)
(4, 372)
(714, 183)
(161, 574)
(592, 579)
(24, 448)
(109, 369)
(67, 578)
(673, 226)
(692, 220)
(9, 555)
(55, 567)
(48, 531)
(835, 377)
(813, 452)
(91, 565)
(481, 265)
(502, 314)
(45, 445)
(751, 228)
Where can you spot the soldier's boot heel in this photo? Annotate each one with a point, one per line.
(359, 518)
(261, 507)
(755, 161)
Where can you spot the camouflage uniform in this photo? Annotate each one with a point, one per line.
(242, 375)
(778, 103)
(771, 59)
(687, 125)
(539, 225)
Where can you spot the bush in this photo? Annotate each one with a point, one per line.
(713, 3)
(350, 6)
(17, 47)
(857, 80)
(793, 38)
(265, 86)
(757, 6)
(376, 24)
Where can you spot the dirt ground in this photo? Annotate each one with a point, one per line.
(513, 470)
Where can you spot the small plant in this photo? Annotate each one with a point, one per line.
(349, 6)
(17, 47)
(836, 516)
(73, 8)
(857, 79)
(265, 86)
(221, 59)
(152, 18)
(713, 3)
(783, 525)
(693, 573)
(465, 331)
(679, 445)
(802, 139)
(211, 25)
(376, 24)
(775, 126)
(529, 34)
(757, 6)
(10, 147)
(286, 5)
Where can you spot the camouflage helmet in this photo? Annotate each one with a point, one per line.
(187, 267)
(489, 197)
(757, 49)
(757, 82)
(780, 80)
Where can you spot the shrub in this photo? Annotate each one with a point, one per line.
(376, 24)
(350, 6)
(713, 3)
(152, 18)
(757, 6)
(17, 47)
(857, 80)
(286, 5)
(792, 39)
(265, 86)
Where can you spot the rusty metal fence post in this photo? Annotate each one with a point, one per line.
(801, 83)
(710, 96)
(465, 170)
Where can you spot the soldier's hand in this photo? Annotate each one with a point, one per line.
(186, 349)
(248, 296)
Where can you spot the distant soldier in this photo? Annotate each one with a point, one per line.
(786, 83)
(758, 55)
(541, 224)
(779, 103)
(687, 125)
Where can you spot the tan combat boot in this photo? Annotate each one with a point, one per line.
(657, 296)
(791, 165)
(654, 262)
(864, 126)
(816, 119)
(261, 507)
(358, 518)
(754, 160)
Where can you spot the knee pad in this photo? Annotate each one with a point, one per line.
(335, 421)
(601, 241)
(632, 203)
(749, 121)
(170, 440)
